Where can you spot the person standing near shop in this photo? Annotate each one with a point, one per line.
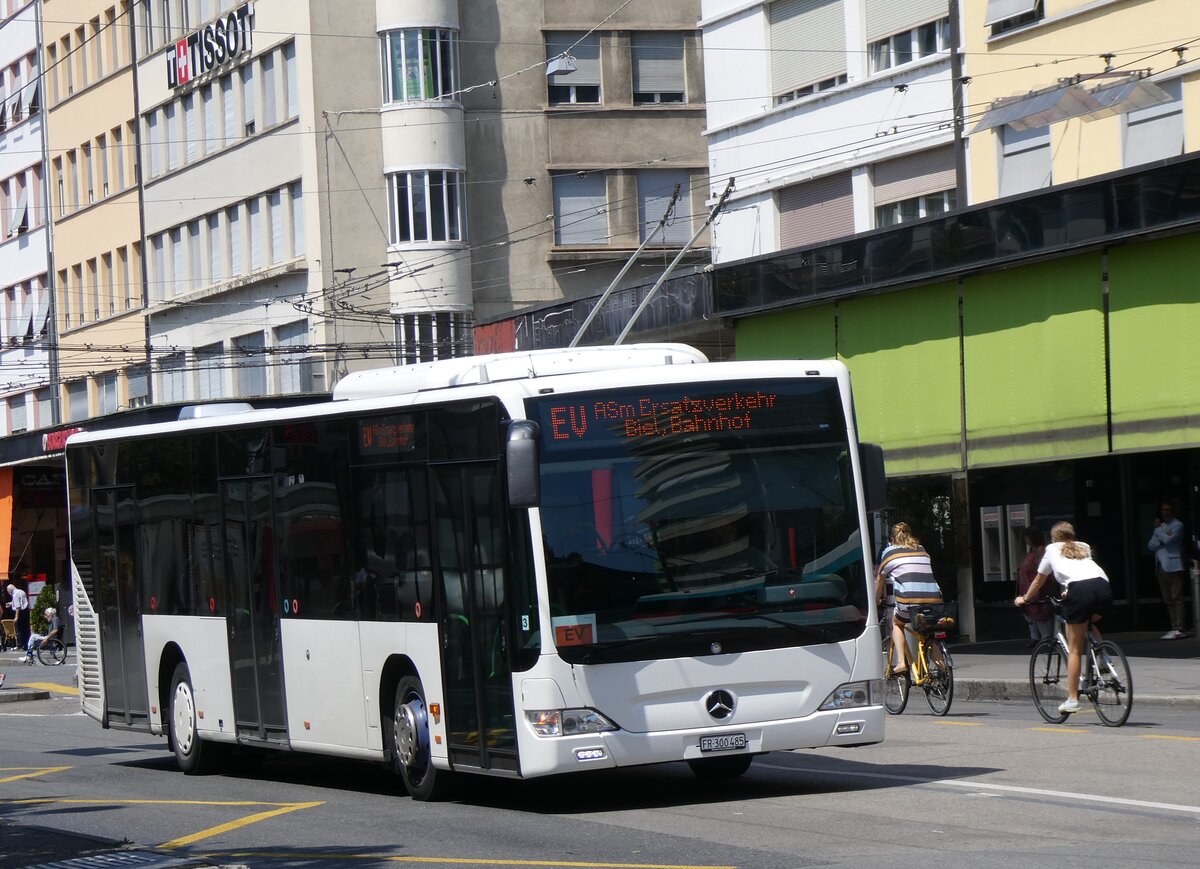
(1167, 545)
(1038, 614)
(18, 602)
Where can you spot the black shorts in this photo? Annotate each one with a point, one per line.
(1086, 598)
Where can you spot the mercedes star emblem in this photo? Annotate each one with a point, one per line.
(719, 704)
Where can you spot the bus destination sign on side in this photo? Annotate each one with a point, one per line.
(396, 434)
(647, 417)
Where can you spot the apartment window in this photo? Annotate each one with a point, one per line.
(582, 85)
(655, 187)
(210, 372)
(658, 72)
(909, 45)
(126, 284)
(89, 179)
(195, 255)
(295, 369)
(251, 364)
(254, 225)
(112, 31)
(158, 267)
(229, 112)
(298, 246)
(172, 378)
(96, 49)
(1155, 133)
(248, 105)
(137, 381)
(269, 117)
(191, 138)
(119, 147)
(810, 89)
(154, 157)
(216, 257)
(291, 80)
(1006, 15)
(93, 289)
(107, 390)
(45, 408)
(17, 418)
(18, 218)
(233, 219)
(915, 208)
(208, 97)
(1025, 161)
(102, 155)
(808, 46)
(171, 136)
(420, 64)
(77, 401)
(914, 186)
(109, 280)
(816, 210)
(428, 336)
(425, 206)
(580, 208)
(275, 218)
(52, 74)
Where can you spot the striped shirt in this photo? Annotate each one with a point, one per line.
(912, 576)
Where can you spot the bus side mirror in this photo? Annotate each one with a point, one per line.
(521, 461)
(870, 460)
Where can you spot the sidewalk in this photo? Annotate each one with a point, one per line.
(37, 681)
(1164, 672)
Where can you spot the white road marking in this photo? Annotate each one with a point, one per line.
(977, 785)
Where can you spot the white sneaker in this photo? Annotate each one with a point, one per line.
(1172, 635)
(1068, 706)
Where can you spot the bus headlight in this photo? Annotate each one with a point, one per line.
(852, 695)
(567, 722)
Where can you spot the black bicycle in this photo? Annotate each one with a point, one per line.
(1104, 676)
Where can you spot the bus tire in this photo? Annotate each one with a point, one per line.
(412, 758)
(193, 754)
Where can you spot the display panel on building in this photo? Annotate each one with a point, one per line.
(213, 45)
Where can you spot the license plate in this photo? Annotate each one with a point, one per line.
(725, 742)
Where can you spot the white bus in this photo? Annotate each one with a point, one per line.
(518, 565)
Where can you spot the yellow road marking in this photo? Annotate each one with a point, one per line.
(960, 723)
(470, 861)
(284, 809)
(28, 772)
(1180, 738)
(52, 687)
(1057, 730)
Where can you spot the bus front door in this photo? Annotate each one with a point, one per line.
(251, 618)
(469, 505)
(119, 608)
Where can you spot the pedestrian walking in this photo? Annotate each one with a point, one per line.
(18, 602)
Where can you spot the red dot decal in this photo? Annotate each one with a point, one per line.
(295, 607)
(418, 609)
(212, 604)
(153, 602)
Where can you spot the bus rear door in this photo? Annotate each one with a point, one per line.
(251, 616)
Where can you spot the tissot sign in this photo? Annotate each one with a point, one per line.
(214, 44)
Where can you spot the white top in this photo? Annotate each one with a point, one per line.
(1069, 570)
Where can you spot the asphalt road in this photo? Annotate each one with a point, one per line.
(991, 785)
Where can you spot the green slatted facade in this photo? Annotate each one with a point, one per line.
(1033, 355)
(1154, 323)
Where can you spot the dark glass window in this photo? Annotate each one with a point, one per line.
(208, 563)
(162, 482)
(465, 431)
(391, 570)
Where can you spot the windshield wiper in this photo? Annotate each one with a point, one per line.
(597, 655)
(804, 630)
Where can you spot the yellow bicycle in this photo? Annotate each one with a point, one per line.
(933, 672)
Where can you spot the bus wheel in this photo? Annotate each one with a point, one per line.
(194, 755)
(411, 755)
(720, 768)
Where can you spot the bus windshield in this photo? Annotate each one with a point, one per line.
(701, 518)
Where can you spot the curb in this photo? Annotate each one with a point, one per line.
(1013, 689)
(13, 695)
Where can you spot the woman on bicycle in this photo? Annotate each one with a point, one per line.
(1086, 596)
(905, 565)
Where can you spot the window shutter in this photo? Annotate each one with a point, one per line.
(654, 192)
(139, 386)
(41, 315)
(816, 211)
(886, 17)
(912, 175)
(657, 62)
(275, 215)
(1155, 133)
(254, 207)
(1026, 163)
(291, 80)
(18, 222)
(189, 126)
(808, 42)
(580, 209)
(586, 54)
(1002, 10)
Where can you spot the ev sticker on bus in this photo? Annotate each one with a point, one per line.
(578, 630)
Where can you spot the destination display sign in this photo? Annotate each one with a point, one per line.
(686, 410)
(387, 436)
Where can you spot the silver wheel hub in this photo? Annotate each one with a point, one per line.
(183, 723)
(410, 722)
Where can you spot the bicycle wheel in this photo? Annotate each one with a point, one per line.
(895, 685)
(52, 652)
(939, 687)
(1112, 692)
(1048, 680)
